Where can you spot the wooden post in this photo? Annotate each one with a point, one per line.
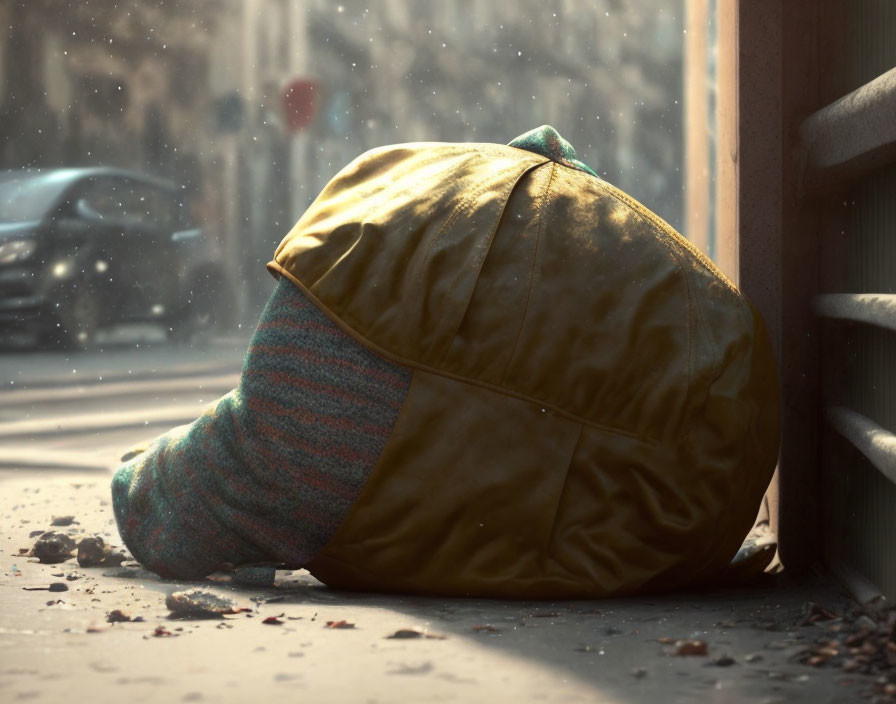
(766, 239)
(696, 132)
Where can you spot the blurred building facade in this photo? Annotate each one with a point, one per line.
(252, 105)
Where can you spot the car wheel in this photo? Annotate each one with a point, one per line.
(76, 320)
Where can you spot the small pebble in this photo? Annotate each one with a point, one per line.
(51, 548)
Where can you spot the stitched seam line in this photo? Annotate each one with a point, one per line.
(666, 228)
(481, 263)
(541, 208)
(572, 455)
(398, 359)
(463, 207)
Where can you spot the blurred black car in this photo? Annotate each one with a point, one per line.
(84, 248)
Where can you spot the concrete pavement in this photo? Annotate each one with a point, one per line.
(58, 646)
(60, 435)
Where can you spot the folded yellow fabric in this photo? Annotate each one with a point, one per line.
(594, 406)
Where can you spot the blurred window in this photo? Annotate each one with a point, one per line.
(27, 197)
(102, 197)
(152, 206)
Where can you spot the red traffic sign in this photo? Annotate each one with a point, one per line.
(299, 104)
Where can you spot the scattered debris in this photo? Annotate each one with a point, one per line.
(724, 661)
(273, 620)
(62, 520)
(485, 628)
(201, 603)
(162, 632)
(866, 645)
(414, 633)
(339, 624)
(93, 552)
(753, 657)
(52, 547)
(72, 576)
(690, 647)
(639, 673)
(406, 633)
(812, 613)
(53, 587)
(94, 628)
(119, 616)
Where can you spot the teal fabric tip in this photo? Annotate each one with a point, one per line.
(545, 140)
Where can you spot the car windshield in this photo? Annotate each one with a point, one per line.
(28, 196)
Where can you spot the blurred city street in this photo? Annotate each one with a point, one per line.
(83, 410)
(154, 154)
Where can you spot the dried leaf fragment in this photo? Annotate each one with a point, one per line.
(485, 628)
(119, 616)
(813, 612)
(339, 624)
(690, 647)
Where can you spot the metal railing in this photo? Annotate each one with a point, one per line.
(843, 142)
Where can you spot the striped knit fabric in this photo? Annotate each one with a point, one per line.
(269, 471)
(545, 140)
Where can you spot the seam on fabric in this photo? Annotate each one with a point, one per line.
(483, 257)
(541, 208)
(692, 324)
(411, 364)
(361, 495)
(465, 206)
(572, 455)
(657, 221)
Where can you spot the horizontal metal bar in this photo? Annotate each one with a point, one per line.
(852, 136)
(862, 590)
(873, 441)
(874, 308)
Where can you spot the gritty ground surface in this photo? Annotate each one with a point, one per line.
(59, 646)
(65, 418)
